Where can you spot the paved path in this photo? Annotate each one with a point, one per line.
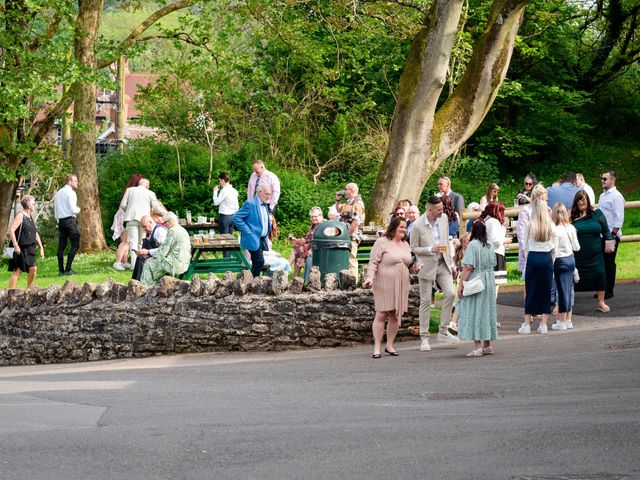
(547, 406)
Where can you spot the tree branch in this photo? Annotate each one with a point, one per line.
(465, 109)
(136, 33)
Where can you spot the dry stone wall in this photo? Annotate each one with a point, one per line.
(111, 320)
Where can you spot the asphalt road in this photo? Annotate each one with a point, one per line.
(563, 405)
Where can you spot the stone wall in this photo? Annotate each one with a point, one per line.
(112, 320)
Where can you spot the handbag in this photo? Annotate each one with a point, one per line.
(9, 251)
(609, 246)
(472, 287)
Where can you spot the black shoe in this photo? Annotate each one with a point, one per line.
(69, 272)
(375, 355)
(393, 354)
(608, 295)
(60, 272)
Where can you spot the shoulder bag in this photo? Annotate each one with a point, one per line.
(9, 251)
(472, 287)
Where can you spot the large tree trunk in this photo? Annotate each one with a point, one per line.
(7, 193)
(422, 138)
(83, 149)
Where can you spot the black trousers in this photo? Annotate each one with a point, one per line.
(610, 267)
(67, 232)
(257, 257)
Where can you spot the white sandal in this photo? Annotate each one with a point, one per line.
(475, 353)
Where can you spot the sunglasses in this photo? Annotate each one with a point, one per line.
(604, 179)
(528, 183)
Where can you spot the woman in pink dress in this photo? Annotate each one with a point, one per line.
(388, 273)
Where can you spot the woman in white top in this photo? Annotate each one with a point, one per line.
(493, 218)
(523, 218)
(540, 244)
(490, 196)
(564, 265)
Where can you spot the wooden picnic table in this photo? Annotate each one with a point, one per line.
(191, 227)
(207, 257)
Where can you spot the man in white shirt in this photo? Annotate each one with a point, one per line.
(65, 205)
(429, 242)
(580, 182)
(136, 203)
(611, 204)
(262, 176)
(225, 197)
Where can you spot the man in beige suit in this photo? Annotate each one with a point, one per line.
(136, 203)
(429, 242)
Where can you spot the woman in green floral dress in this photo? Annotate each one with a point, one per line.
(477, 313)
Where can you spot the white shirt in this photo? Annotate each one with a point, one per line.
(532, 245)
(590, 193)
(436, 233)
(611, 203)
(227, 200)
(495, 234)
(160, 235)
(567, 240)
(65, 203)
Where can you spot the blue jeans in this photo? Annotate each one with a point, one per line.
(225, 226)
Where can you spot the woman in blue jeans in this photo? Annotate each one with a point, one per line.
(565, 263)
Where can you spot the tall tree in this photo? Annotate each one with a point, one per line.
(423, 135)
(34, 63)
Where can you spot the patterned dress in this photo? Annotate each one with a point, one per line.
(388, 270)
(477, 313)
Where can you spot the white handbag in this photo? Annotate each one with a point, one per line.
(8, 252)
(472, 287)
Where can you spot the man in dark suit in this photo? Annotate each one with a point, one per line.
(254, 223)
(444, 186)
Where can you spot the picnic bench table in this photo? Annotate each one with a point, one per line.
(206, 257)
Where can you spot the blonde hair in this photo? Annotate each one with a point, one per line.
(538, 192)
(540, 226)
(559, 214)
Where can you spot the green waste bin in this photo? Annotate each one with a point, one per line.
(331, 246)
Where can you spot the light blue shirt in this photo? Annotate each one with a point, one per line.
(264, 217)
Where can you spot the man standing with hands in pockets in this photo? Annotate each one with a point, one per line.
(429, 242)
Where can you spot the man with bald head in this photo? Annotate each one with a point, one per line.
(156, 235)
(136, 203)
(262, 176)
(253, 221)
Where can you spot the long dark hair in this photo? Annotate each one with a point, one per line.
(447, 208)
(479, 232)
(393, 226)
(575, 211)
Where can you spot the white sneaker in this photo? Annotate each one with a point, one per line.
(525, 329)
(118, 266)
(424, 345)
(127, 266)
(543, 329)
(448, 337)
(569, 324)
(559, 326)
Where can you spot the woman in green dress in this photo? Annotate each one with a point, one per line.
(477, 313)
(592, 228)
